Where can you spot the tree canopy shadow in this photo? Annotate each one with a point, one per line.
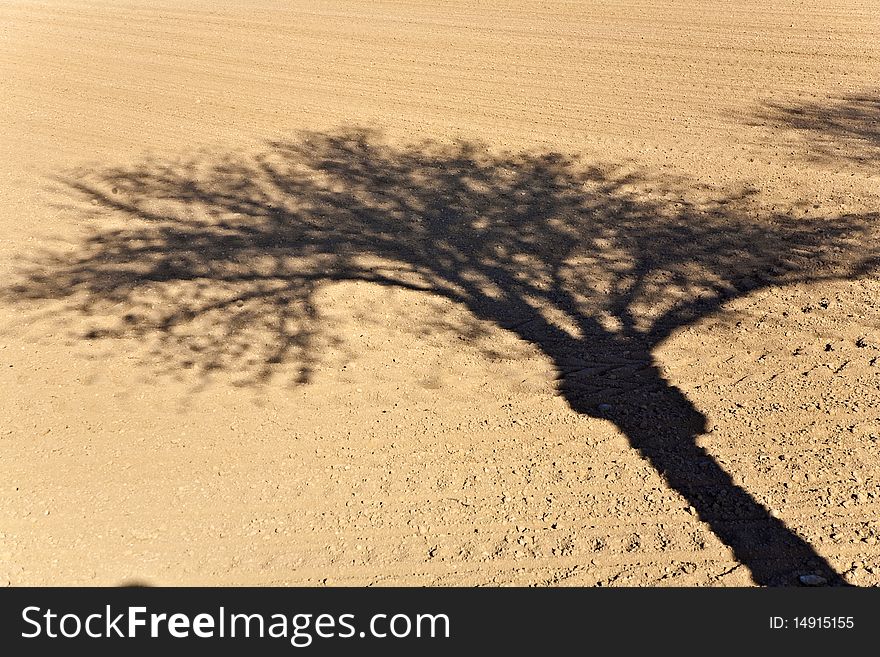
(839, 128)
(218, 260)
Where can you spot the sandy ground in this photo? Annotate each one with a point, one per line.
(293, 292)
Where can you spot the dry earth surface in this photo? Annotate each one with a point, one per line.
(295, 292)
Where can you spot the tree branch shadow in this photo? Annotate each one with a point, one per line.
(220, 259)
(845, 128)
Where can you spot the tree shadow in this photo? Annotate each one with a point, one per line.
(220, 259)
(839, 128)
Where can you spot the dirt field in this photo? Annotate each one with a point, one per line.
(440, 293)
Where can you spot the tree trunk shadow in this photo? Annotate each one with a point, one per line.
(666, 435)
(663, 426)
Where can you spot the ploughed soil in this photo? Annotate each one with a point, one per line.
(439, 293)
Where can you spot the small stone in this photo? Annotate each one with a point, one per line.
(812, 580)
(604, 408)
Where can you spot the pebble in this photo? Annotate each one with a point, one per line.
(604, 408)
(812, 580)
